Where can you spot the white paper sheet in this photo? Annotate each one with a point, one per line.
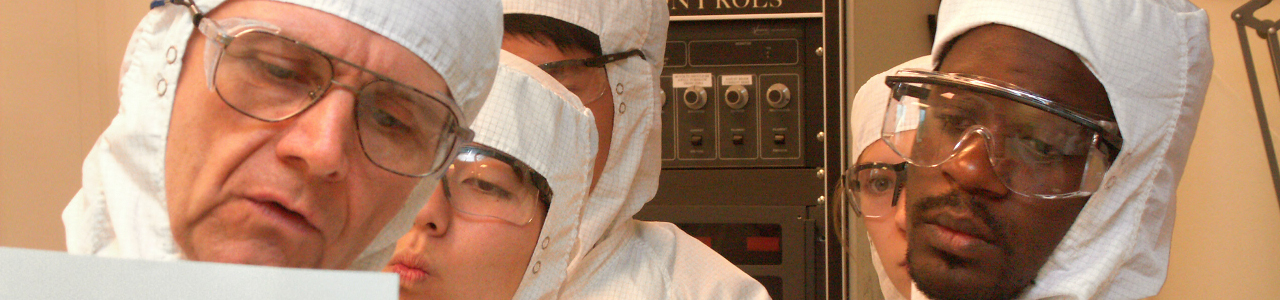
(37, 274)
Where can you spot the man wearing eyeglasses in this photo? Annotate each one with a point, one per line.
(282, 134)
(1051, 138)
(609, 54)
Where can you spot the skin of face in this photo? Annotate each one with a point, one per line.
(452, 255)
(969, 236)
(298, 192)
(538, 53)
(889, 233)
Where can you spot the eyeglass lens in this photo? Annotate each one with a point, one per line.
(1034, 152)
(588, 83)
(273, 78)
(873, 187)
(485, 186)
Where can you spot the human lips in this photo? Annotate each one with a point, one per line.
(412, 269)
(276, 208)
(960, 236)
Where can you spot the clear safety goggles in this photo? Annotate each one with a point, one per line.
(272, 78)
(486, 182)
(871, 189)
(586, 77)
(1036, 147)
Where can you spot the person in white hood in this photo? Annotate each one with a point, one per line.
(593, 248)
(872, 184)
(1052, 137)
(531, 161)
(282, 133)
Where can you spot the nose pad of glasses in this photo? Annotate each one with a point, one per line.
(320, 90)
(973, 135)
(972, 164)
(969, 142)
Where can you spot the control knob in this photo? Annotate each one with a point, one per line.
(695, 97)
(778, 95)
(736, 97)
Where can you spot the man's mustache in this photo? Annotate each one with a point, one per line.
(957, 201)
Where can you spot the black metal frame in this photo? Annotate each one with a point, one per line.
(1266, 29)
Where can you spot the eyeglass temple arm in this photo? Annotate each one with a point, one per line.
(901, 184)
(602, 60)
(196, 14)
(639, 53)
(908, 90)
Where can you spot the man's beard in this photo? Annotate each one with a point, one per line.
(1004, 287)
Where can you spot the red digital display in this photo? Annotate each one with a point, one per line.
(705, 240)
(763, 244)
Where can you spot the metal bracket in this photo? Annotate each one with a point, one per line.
(1266, 29)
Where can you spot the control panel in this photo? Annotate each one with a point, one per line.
(735, 94)
(750, 129)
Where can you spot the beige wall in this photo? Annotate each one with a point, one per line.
(1226, 238)
(58, 73)
(58, 64)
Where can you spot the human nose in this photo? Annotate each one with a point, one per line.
(971, 170)
(900, 213)
(321, 139)
(435, 216)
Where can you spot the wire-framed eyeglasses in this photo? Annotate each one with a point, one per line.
(586, 77)
(272, 78)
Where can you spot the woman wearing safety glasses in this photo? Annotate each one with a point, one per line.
(493, 200)
(872, 183)
(481, 234)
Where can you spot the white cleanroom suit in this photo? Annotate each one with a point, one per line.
(121, 208)
(1153, 59)
(609, 255)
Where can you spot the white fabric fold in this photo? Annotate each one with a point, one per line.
(1153, 58)
(614, 256)
(535, 119)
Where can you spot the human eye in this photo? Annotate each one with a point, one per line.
(486, 187)
(1035, 150)
(279, 72)
(1045, 149)
(388, 113)
(877, 182)
(880, 181)
(282, 69)
(952, 120)
(383, 120)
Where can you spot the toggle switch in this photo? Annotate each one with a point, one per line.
(738, 139)
(779, 139)
(695, 140)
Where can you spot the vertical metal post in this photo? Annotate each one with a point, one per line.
(1245, 20)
